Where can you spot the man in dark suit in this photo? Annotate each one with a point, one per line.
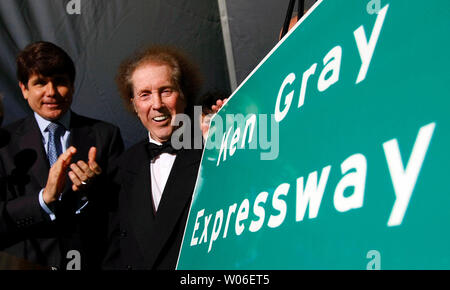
(49, 217)
(153, 180)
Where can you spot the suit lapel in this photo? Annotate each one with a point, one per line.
(176, 197)
(81, 137)
(137, 188)
(31, 151)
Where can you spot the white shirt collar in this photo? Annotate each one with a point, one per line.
(43, 123)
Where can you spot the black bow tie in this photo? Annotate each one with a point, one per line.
(155, 150)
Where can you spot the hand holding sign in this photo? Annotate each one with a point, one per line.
(219, 104)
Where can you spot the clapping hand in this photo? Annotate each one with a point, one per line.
(82, 174)
(57, 176)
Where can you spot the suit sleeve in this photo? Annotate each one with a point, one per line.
(115, 149)
(18, 216)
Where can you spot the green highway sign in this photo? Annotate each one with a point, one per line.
(334, 152)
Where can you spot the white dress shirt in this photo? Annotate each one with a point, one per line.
(160, 168)
(64, 138)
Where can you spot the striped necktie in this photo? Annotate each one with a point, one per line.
(54, 147)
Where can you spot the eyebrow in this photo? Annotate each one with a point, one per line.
(37, 79)
(58, 77)
(160, 88)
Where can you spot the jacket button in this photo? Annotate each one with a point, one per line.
(123, 234)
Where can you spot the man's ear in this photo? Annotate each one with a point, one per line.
(24, 90)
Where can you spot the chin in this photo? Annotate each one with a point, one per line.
(54, 116)
(162, 136)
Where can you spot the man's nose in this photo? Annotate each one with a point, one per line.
(157, 101)
(50, 89)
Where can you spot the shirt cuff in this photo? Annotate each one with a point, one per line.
(86, 201)
(45, 207)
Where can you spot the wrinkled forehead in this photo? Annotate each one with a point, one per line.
(156, 63)
(152, 70)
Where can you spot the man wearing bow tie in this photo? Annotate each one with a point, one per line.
(46, 214)
(154, 181)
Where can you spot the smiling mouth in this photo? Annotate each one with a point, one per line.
(52, 104)
(160, 118)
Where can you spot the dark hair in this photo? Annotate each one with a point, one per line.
(185, 73)
(44, 58)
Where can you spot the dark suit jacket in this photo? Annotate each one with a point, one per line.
(139, 237)
(26, 231)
